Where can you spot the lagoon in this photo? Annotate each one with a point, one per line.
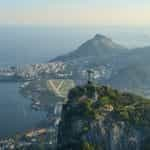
(16, 115)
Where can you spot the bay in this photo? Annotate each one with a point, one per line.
(16, 115)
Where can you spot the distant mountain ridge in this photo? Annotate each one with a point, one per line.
(127, 69)
(135, 70)
(99, 46)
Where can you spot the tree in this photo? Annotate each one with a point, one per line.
(87, 146)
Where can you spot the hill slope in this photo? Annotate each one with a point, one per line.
(116, 121)
(100, 47)
(115, 65)
(134, 71)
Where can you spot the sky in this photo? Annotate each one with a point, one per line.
(75, 12)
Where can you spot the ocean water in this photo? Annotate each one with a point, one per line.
(16, 115)
(29, 45)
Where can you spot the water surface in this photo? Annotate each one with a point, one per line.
(16, 114)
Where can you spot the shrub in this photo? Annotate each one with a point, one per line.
(125, 115)
(105, 100)
(87, 146)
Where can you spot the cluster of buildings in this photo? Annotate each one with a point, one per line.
(53, 70)
(35, 71)
(43, 136)
(7, 144)
(100, 72)
(7, 73)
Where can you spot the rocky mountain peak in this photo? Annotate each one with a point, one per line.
(101, 37)
(99, 46)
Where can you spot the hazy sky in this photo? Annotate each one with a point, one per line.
(75, 12)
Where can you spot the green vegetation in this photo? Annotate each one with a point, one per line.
(128, 107)
(84, 114)
(105, 100)
(87, 146)
(88, 110)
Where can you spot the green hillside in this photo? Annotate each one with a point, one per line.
(111, 119)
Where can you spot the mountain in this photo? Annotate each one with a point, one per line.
(99, 48)
(120, 67)
(134, 71)
(112, 121)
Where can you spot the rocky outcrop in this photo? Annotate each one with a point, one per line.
(86, 125)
